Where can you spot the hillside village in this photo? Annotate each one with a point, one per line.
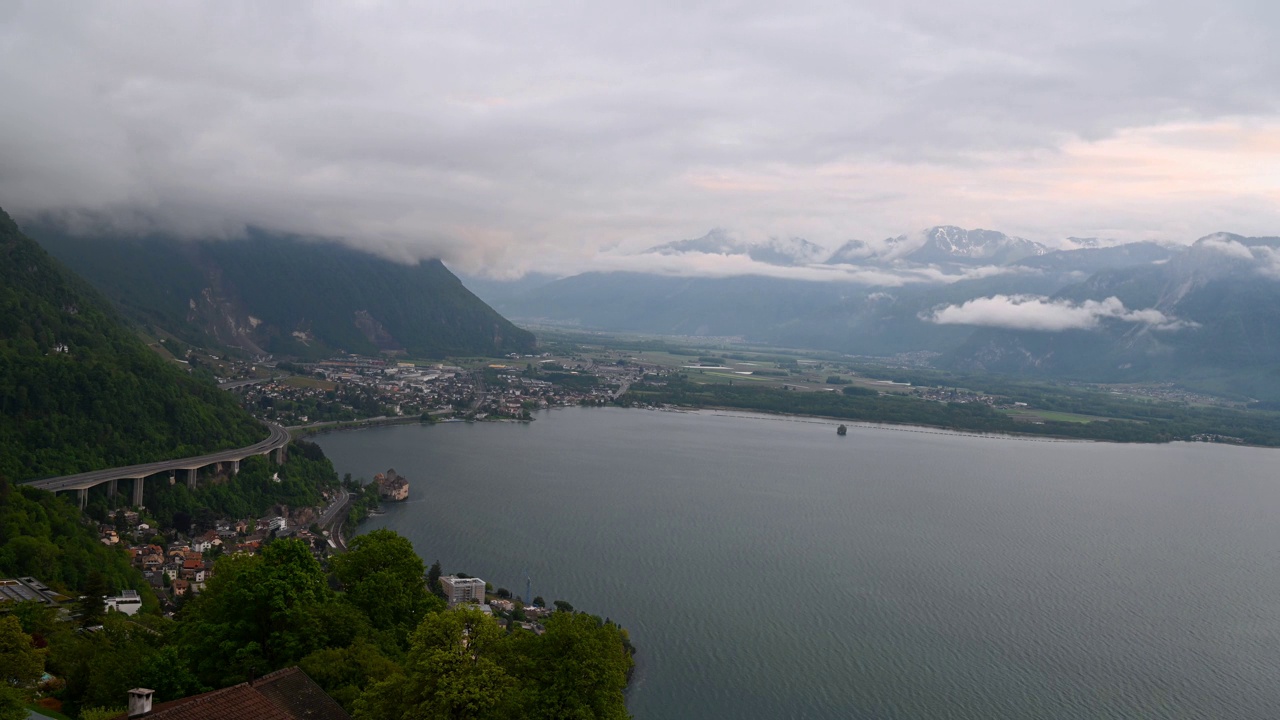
(177, 565)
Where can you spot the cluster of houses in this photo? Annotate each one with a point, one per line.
(408, 389)
(181, 567)
(397, 389)
(517, 392)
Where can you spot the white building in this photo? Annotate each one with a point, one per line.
(460, 590)
(127, 602)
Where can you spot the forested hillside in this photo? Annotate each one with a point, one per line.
(46, 537)
(79, 391)
(288, 296)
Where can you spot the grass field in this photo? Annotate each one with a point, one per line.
(301, 381)
(1031, 414)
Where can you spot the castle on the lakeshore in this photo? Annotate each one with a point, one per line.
(391, 486)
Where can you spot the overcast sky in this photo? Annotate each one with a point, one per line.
(505, 137)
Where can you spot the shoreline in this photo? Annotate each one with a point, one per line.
(940, 430)
(301, 431)
(899, 427)
(752, 414)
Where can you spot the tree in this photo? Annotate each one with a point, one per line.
(562, 606)
(36, 618)
(384, 578)
(579, 668)
(91, 607)
(346, 672)
(451, 671)
(21, 664)
(257, 614)
(168, 673)
(11, 707)
(433, 579)
(182, 521)
(100, 667)
(539, 602)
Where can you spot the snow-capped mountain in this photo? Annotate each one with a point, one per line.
(787, 252)
(1089, 243)
(950, 244)
(942, 245)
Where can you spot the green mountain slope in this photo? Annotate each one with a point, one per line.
(289, 296)
(46, 537)
(78, 391)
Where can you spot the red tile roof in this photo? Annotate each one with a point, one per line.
(287, 694)
(233, 703)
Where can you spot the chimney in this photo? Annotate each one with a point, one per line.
(140, 701)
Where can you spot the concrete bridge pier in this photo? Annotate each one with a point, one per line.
(137, 492)
(82, 495)
(112, 489)
(191, 477)
(279, 455)
(235, 467)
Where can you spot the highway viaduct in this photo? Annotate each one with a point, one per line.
(275, 444)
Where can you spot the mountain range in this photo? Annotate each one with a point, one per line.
(1205, 315)
(786, 252)
(942, 245)
(287, 295)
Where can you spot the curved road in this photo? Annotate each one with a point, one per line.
(278, 438)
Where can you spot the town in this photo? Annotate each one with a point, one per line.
(354, 388)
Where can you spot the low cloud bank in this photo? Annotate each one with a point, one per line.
(1036, 312)
(701, 264)
(1228, 247)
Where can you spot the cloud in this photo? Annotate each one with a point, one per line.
(1035, 312)
(545, 135)
(1226, 246)
(702, 264)
(1268, 261)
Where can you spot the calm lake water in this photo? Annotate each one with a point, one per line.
(767, 568)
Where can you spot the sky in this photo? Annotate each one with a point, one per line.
(567, 136)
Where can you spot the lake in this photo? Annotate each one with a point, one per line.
(767, 568)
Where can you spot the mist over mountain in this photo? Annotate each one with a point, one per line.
(269, 293)
(1093, 258)
(1207, 314)
(786, 252)
(943, 245)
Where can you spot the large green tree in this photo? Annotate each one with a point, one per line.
(91, 606)
(452, 672)
(346, 672)
(578, 669)
(383, 577)
(100, 667)
(21, 665)
(258, 613)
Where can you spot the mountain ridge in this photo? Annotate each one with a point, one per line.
(286, 295)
